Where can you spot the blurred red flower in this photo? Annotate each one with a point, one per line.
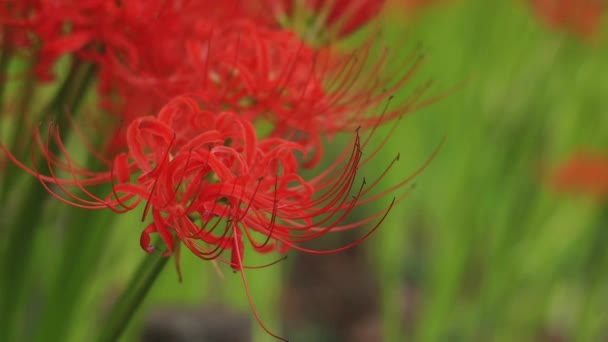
(585, 173)
(581, 17)
(99, 30)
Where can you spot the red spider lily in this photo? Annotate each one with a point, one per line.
(112, 34)
(266, 75)
(192, 165)
(149, 52)
(242, 64)
(90, 22)
(12, 16)
(98, 30)
(582, 17)
(585, 173)
(210, 183)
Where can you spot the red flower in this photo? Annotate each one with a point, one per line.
(195, 168)
(582, 17)
(209, 182)
(585, 173)
(13, 14)
(237, 62)
(100, 30)
(266, 75)
(149, 52)
(90, 22)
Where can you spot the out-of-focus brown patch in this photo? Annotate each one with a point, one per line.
(209, 324)
(337, 293)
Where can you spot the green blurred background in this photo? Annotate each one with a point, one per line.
(481, 250)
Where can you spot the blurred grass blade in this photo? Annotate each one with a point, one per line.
(132, 296)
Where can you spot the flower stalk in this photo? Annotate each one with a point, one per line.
(82, 251)
(133, 295)
(20, 228)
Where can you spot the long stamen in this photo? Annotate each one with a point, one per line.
(239, 259)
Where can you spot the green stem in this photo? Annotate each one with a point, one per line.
(5, 57)
(593, 316)
(56, 106)
(5, 54)
(65, 102)
(23, 109)
(20, 229)
(18, 252)
(19, 133)
(17, 259)
(132, 297)
(82, 253)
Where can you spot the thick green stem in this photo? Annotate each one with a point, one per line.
(18, 144)
(17, 254)
(82, 251)
(132, 297)
(5, 54)
(20, 229)
(5, 57)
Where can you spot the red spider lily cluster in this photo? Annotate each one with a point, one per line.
(189, 81)
(580, 17)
